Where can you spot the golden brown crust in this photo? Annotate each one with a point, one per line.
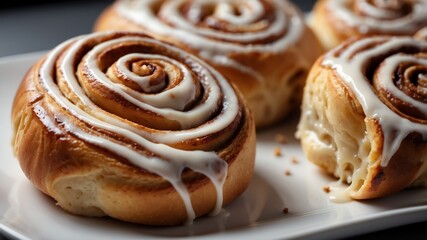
(338, 136)
(87, 179)
(273, 93)
(321, 26)
(400, 173)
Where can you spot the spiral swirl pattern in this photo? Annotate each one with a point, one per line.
(397, 17)
(152, 104)
(218, 28)
(388, 77)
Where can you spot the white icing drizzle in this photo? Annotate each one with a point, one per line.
(176, 98)
(230, 104)
(194, 117)
(288, 24)
(394, 127)
(250, 11)
(339, 192)
(379, 10)
(390, 64)
(207, 163)
(143, 81)
(380, 18)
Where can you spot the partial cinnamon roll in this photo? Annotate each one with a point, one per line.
(364, 115)
(262, 46)
(334, 21)
(124, 125)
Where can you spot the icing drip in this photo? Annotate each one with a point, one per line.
(264, 33)
(351, 63)
(388, 17)
(167, 162)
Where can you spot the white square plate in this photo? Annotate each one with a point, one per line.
(258, 214)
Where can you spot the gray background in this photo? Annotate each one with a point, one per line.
(42, 25)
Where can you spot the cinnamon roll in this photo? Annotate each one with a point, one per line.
(262, 46)
(123, 125)
(364, 115)
(333, 21)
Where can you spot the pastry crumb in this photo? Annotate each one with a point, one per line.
(288, 173)
(280, 138)
(278, 152)
(294, 160)
(285, 210)
(326, 189)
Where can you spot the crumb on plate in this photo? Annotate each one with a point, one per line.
(326, 189)
(285, 210)
(280, 138)
(294, 160)
(277, 152)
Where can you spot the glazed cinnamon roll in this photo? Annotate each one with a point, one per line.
(334, 21)
(262, 46)
(123, 125)
(364, 116)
